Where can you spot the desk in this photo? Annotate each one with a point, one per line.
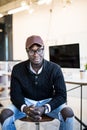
(80, 83)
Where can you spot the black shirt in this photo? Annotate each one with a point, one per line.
(48, 84)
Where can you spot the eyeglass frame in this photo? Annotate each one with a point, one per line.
(31, 52)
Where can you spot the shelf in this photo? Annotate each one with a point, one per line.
(5, 76)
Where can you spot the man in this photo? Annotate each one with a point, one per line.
(37, 88)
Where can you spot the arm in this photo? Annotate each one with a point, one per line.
(16, 95)
(60, 95)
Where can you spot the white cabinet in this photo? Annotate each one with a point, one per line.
(5, 76)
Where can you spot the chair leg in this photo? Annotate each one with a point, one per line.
(37, 125)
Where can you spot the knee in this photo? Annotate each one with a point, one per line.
(5, 114)
(67, 112)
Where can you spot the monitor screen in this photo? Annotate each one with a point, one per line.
(67, 56)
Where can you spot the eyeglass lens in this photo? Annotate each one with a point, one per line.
(38, 51)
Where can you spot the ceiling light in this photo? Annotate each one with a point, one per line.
(1, 15)
(23, 3)
(40, 2)
(1, 30)
(22, 8)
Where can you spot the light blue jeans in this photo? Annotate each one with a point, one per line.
(64, 125)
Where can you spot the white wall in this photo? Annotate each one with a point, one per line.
(61, 26)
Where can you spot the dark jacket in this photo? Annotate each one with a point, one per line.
(48, 84)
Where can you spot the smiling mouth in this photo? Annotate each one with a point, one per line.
(36, 60)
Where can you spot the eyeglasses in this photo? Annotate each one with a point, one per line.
(38, 51)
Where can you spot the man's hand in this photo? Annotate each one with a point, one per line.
(34, 113)
(40, 110)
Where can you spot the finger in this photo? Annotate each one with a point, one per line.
(38, 109)
(34, 111)
(34, 117)
(31, 114)
(28, 110)
(38, 118)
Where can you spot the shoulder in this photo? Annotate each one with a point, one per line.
(51, 66)
(21, 65)
(52, 69)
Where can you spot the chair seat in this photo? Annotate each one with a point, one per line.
(45, 118)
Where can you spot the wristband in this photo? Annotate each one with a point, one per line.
(46, 108)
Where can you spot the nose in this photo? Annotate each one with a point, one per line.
(35, 53)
